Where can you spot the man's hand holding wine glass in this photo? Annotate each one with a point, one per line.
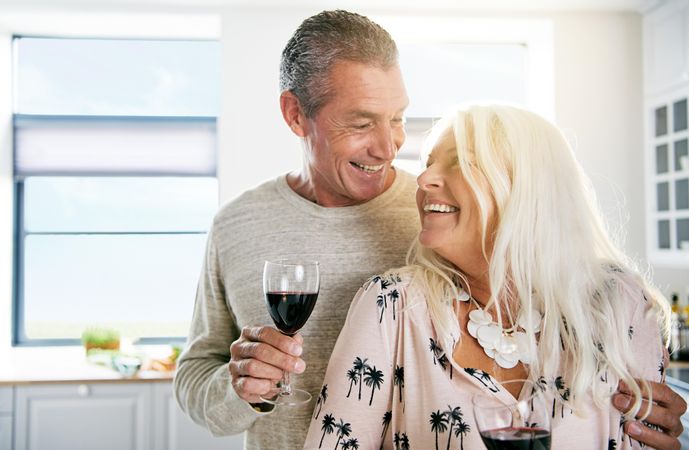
(259, 358)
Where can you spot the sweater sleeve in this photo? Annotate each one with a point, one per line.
(358, 387)
(202, 383)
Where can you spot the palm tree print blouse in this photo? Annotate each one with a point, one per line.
(389, 385)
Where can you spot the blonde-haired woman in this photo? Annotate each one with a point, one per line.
(511, 240)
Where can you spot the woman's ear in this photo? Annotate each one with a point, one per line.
(292, 113)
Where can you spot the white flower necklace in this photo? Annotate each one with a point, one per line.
(506, 346)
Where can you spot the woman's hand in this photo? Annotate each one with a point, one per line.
(666, 410)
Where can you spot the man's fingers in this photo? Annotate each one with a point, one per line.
(254, 368)
(652, 438)
(270, 355)
(662, 394)
(251, 389)
(659, 415)
(274, 338)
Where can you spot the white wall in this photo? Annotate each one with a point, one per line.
(255, 143)
(598, 100)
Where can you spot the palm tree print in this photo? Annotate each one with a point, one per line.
(374, 379)
(612, 444)
(360, 365)
(461, 429)
(394, 296)
(328, 426)
(661, 370)
(565, 398)
(486, 376)
(439, 356)
(353, 377)
(453, 416)
(399, 379)
(438, 423)
(404, 442)
(630, 332)
(559, 385)
(387, 417)
(384, 284)
(396, 441)
(321, 400)
(343, 430)
(382, 303)
(480, 375)
(435, 349)
(352, 443)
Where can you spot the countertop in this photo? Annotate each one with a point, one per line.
(32, 365)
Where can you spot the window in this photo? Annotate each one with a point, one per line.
(115, 184)
(438, 76)
(668, 217)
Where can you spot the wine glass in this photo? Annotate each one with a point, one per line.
(291, 289)
(519, 424)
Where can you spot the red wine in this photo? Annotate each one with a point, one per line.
(290, 310)
(516, 439)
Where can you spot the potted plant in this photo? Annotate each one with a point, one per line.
(100, 338)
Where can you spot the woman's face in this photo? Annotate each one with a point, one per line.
(449, 212)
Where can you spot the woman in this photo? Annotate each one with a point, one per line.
(515, 276)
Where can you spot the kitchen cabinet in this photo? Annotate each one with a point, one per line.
(6, 420)
(666, 47)
(666, 69)
(83, 416)
(175, 431)
(117, 415)
(678, 380)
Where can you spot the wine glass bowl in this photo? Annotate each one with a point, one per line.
(507, 423)
(291, 289)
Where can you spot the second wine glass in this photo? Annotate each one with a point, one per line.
(510, 423)
(291, 288)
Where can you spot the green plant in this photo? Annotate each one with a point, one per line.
(97, 337)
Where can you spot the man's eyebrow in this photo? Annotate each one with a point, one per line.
(357, 114)
(360, 113)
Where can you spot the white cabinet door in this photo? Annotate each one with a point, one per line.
(666, 47)
(175, 431)
(6, 403)
(5, 432)
(83, 417)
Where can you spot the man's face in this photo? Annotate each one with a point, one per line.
(355, 135)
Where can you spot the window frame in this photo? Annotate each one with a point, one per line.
(18, 336)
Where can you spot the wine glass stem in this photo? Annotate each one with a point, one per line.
(285, 384)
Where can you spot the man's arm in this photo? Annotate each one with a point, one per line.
(222, 371)
(202, 383)
(666, 410)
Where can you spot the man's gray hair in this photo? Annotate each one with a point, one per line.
(320, 42)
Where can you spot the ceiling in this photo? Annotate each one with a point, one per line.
(412, 5)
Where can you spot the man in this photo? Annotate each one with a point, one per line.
(348, 208)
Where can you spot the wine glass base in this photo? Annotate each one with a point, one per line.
(294, 398)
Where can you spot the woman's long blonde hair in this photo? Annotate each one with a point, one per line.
(551, 250)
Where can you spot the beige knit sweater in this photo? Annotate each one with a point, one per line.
(351, 244)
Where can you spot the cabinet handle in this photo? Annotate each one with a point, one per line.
(83, 390)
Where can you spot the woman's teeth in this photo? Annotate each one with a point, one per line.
(435, 207)
(368, 169)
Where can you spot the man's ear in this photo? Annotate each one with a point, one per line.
(292, 113)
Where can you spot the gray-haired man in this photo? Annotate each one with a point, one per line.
(347, 207)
